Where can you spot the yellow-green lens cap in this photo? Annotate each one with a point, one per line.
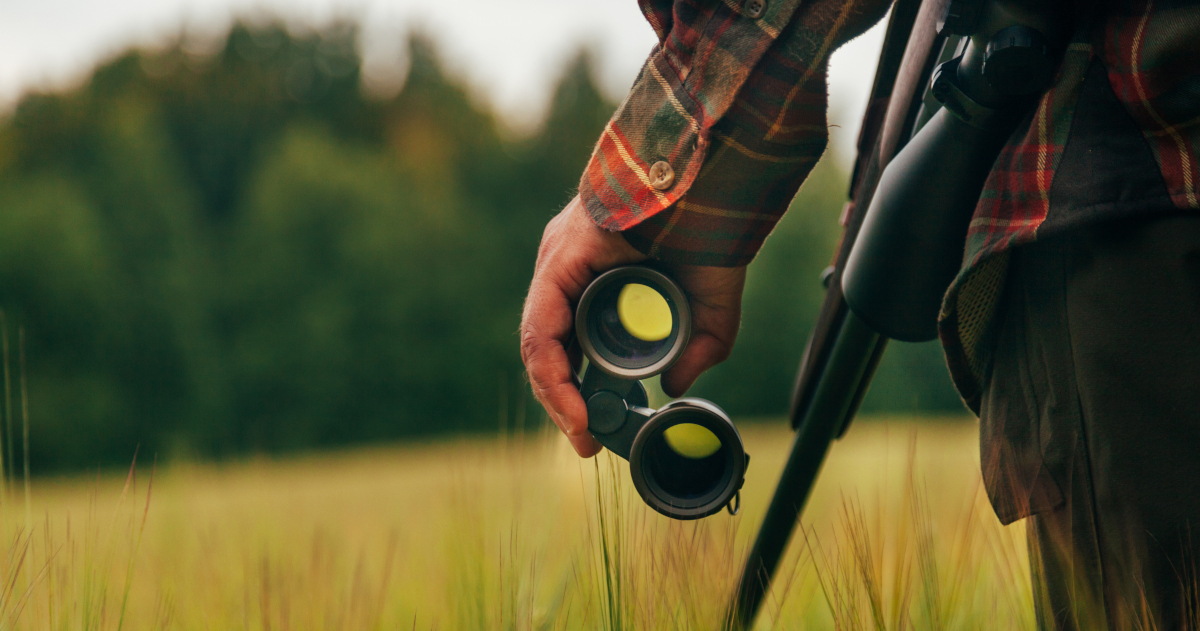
(691, 440)
(644, 313)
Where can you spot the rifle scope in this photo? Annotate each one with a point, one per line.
(912, 238)
(686, 458)
(914, 195)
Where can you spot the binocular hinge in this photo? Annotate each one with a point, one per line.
(616, 409)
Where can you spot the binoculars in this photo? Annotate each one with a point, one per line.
(686, 458)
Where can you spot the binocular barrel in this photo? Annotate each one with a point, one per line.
(686, 459)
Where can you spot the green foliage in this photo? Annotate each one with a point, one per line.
(242, 252)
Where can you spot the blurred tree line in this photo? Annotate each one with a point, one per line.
(242, 252)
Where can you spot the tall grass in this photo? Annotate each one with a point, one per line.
(609, 540)
(6, 474)
(25, 426)
(893, 566)
(68, 575)
(512, 534)
(39, 571)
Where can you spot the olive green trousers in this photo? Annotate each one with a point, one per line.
(1090, 421)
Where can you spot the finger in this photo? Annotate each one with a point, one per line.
(575, 354)
(704, 351)
(546, 323)
(585, 444)
(551, 375)
(554, 386)
(715, 295)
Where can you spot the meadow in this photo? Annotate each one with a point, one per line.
(510, 532)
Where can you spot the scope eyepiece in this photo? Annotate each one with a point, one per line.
(686, 459)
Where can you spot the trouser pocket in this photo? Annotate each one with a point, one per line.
(1028, 412)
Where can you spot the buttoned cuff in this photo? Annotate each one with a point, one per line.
(743, 190)
(697, 167)
(656, 143)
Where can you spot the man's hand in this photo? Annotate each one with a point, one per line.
(573, 252)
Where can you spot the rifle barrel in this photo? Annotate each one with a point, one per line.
(849, 365)
(843, 351)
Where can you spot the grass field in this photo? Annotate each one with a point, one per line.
(507, 534)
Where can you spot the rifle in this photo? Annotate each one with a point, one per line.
(924, 154)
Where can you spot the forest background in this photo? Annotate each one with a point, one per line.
(243, 252)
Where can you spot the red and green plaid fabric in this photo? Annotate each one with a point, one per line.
(736, 105)
(1014, 203)
(1150, 50)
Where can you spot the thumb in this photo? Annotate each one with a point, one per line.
(704, 351)
(715, 295)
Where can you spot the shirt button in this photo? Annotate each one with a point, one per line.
(662, 176)
(755, 8)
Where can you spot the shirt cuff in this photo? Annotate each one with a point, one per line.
(743, 190)
(655, 145)
(687, 187)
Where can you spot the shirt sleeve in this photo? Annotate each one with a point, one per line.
(722, 125)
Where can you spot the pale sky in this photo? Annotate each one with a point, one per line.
(511, 51)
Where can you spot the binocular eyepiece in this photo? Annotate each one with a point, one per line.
(686, 458)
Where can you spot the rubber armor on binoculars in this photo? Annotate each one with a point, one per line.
(686, 458)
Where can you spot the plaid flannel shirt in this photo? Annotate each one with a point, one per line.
(731, 106)
(727, 118)
(1149, 49)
